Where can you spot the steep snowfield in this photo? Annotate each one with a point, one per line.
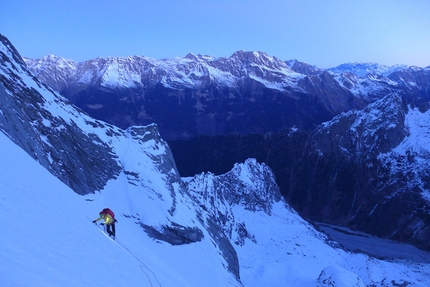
(289, 252)
(47, 238)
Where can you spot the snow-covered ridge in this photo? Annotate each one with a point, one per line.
(362, 69)
(190, 71)
(365, 80)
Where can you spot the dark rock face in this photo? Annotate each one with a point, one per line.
(340, 166)
(60, 146)
(174, 234)
(222, 110)
(351, 181)
(335, 97)
(343, 180)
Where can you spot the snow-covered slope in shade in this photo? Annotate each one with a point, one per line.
(289, 252)
(47, 239)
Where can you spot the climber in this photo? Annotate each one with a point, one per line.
(109, 221)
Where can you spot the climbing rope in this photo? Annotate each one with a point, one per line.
(142, 265)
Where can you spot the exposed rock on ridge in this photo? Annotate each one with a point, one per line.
(251, 185)
(58, 144)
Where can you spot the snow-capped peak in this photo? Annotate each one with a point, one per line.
(363, 69)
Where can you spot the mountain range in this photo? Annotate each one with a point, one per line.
(203, 95)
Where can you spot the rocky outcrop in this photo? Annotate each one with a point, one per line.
(56, 142)
(174, 234)
(250, 185)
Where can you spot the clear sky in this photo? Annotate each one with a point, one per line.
(324, 33)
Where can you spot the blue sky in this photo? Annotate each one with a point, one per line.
(323, 33)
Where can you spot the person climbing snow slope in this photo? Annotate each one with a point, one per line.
(109, 221)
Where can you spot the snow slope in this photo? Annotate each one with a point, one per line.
(47, 238)
(147, 192)
(289, 252)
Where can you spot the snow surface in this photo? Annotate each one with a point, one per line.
(47, 237)
(289, 252)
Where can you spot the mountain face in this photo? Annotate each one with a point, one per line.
(370, 170)
(87, 155)
(247, 203)
(366, 169)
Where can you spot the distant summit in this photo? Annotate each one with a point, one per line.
(362, 69)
